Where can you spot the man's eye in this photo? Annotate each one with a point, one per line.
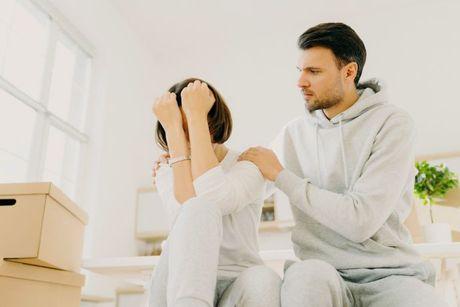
(315, 72)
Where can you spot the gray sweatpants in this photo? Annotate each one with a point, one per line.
(318, 284)
(187, 273)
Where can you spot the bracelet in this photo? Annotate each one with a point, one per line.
(172, 161)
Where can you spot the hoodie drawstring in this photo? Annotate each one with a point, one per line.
(343, 154)
(318, 169)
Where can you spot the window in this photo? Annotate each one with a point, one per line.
(44, 85)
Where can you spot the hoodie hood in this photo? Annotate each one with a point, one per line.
(372, 94)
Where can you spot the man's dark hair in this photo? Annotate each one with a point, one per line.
(219, 117)
(341, 40)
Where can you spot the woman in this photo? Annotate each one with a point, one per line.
(211, 256)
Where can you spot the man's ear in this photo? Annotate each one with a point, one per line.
(350, 71)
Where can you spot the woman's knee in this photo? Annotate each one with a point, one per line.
(194, 215)
(197, 207)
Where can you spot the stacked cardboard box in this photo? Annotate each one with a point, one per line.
(41, 240)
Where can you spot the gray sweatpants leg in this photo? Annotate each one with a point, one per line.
(187, 271)
(160, 281)
(254, 287)
(317, 283)
(397, 291)
(194, 245)
(314, 283)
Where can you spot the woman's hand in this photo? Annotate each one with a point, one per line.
(162, 159)
(167, 111)
(197, 99)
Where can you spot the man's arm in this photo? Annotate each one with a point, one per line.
(359, 213)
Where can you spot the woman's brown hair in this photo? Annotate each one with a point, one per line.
(219, 117)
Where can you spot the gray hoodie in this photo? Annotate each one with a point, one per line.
(349, 181)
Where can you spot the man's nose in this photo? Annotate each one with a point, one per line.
(303, 81)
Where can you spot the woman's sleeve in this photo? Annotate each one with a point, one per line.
(234, 190)
(165, 188)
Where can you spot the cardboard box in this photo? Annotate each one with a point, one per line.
(39, 225)
(23, 285)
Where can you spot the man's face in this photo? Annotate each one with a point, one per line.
(320, 79)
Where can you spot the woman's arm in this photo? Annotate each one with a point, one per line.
(232, 191)
(183, 182)
(197, 100)
(170, 117)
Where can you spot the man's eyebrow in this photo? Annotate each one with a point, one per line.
(309, 68)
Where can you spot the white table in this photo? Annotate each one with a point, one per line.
(134, 270)
(138, 270)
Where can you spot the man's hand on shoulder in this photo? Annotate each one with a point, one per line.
(265, 159)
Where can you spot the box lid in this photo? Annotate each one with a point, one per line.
(36, 273)
(47, 188)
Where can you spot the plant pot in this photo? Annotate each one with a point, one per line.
(437, 233)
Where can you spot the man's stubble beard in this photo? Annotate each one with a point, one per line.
(327, 102)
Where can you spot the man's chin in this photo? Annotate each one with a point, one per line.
(311, 106)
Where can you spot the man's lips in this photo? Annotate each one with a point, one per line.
(307, 94)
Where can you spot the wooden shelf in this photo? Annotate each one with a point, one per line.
(152, 236)
(131, 290)
(269, 205)
(276, 226)
(438, 156)
(95, 298)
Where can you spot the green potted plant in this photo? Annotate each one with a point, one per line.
(432, 182)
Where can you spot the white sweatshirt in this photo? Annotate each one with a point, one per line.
(238, 188)
(350, 183)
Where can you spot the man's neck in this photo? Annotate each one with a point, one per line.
(348, 100)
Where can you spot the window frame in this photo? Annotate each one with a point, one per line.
(45, 119)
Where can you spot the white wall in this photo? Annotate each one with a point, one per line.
(414, 47)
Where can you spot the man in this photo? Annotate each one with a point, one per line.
(347, 167)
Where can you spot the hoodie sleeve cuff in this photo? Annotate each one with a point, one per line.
(288, 182)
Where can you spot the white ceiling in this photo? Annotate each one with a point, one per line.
(175, 26)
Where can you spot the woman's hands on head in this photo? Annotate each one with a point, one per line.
(197, 100)
(167, 111)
